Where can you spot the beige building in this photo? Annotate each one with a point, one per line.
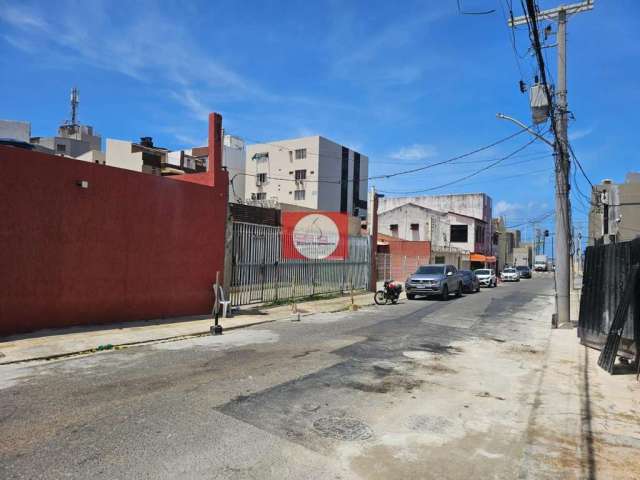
(615, 211)
(311, 172)
(146, 158)
(468, 218)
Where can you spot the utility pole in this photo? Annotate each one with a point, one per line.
(562, 252)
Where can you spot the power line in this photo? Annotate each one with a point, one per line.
(398, 173)
(475, 172)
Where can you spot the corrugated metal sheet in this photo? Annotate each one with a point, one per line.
(606, 270)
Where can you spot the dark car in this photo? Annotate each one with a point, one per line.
(470, 281)
(524, 271)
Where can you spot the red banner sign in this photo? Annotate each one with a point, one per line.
(315, 235)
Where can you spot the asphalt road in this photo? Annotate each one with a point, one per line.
(423, 389)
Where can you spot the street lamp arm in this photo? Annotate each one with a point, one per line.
(522, 125)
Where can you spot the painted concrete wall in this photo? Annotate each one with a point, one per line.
(131, 246)
(433, 226)
(15, 130)
(119, 155)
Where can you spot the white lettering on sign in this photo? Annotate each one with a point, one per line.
(316, 236)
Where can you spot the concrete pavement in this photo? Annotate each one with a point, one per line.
(476, 387)
(54, 343)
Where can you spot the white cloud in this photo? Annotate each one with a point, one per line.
(577, 134)
(503, 208)
(414, 152)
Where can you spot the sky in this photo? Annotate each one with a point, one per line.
(407, 84)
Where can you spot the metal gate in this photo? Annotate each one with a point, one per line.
(261, 274)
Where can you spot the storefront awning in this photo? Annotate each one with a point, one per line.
(478, 257)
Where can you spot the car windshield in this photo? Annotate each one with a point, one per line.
(522, 267)
(483, 271)
(430, 270)
(509, 270)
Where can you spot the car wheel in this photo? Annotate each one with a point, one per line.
(459, 291)
(478, 288)
(445, 293)
(410, 296)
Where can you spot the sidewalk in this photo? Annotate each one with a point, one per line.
(585, 423)
(48, 344)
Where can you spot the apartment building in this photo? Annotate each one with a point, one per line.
(145, 157)
(311, 172)
(614, 215)
(468, 218)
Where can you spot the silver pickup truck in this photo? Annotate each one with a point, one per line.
(437, 279)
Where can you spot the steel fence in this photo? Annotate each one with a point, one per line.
(606, 271)
(262, 273)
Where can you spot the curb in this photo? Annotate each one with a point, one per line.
(174, 338)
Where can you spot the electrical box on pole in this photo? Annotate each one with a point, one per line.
(539, 102)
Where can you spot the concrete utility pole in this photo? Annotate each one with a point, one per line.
(563, 249)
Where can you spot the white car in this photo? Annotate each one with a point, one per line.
(486, 277)
(510, 275)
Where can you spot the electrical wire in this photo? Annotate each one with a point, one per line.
(475, 172)
(398, 173)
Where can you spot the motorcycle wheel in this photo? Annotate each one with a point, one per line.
(380, 298)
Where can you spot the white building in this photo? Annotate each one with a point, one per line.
(15, 130)
(413, 222)
(234, 157)
(311, 172)
(468, 219)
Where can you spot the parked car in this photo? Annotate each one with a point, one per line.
(437, 279)
(510, 275)
(486, 277)
(524, 271)
(470, 282)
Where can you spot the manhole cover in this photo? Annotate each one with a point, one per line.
(342, 428)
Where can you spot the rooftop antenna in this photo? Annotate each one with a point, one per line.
(75, 101)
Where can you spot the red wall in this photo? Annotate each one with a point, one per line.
(132, 246)
(405, 256)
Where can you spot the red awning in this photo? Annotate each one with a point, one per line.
(491, 259)
(477, 257)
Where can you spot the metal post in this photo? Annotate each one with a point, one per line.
(561, 253)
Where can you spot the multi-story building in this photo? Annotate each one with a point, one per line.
(311, 172)
(614, 215)
(468, 217)
(146, 158)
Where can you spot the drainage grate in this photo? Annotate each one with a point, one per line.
(342, 428)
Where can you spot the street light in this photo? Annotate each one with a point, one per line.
(501, 116)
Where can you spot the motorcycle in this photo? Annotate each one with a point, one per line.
(390, 293)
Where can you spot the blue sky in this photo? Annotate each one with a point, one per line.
(407, 84)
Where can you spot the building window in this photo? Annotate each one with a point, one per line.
(301, 174)
(394, 229)
(301, 154)
(261, 156)
(261, 196)
(479, 234)
(440, 259)
(459, 233)
(261, 179)
(415, 231)
(60, 148)
(298, 195)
